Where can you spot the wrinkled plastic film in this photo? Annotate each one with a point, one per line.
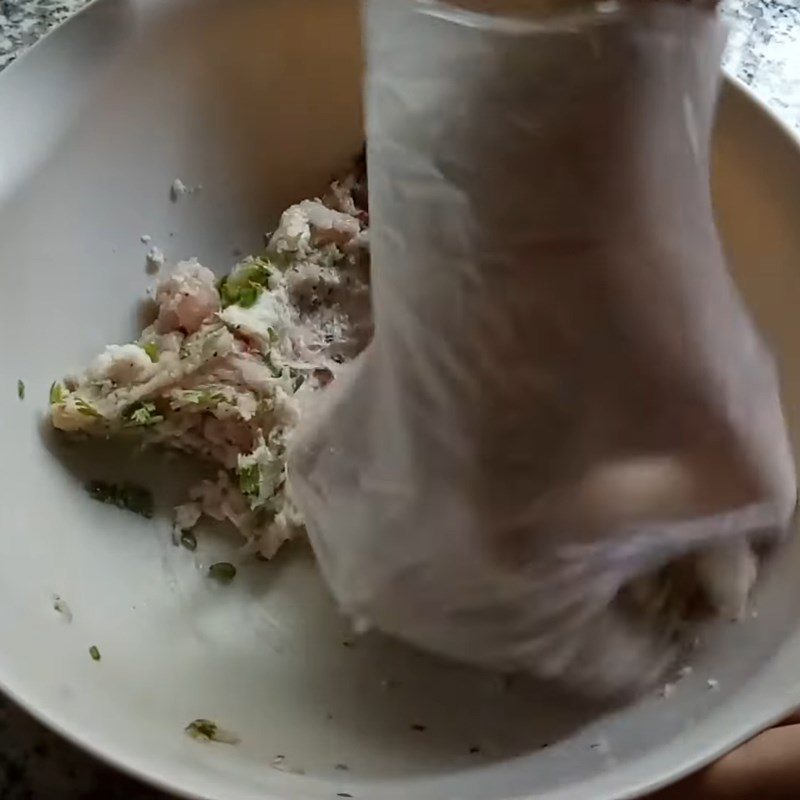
(564, 391)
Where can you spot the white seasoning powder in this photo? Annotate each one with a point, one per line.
(154, 260)
(178, 190)
(667, 690)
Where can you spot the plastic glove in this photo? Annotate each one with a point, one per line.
(564, 392)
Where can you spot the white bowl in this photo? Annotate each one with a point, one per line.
(258, 100)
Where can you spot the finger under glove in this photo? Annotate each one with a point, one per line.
(565, 394)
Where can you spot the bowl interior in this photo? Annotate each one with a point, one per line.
(259, 101)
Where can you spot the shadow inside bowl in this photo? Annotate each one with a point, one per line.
(423, 713)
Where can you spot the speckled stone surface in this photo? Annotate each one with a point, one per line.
(764, 51)
(24, 22)
(35, 764)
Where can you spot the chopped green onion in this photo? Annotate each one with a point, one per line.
(248, 295)
(222, 571)
(227, 295)
(143, 415)
(243, 286)
(57, 394)
(153, 351)
(94, 653)
(204, 730)
(21, 389)
(205, 399)
(126, 496)
(87, 409)
(249, 480)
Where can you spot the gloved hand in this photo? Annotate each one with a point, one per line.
(565, 392)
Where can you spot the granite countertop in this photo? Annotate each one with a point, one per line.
(764, 51)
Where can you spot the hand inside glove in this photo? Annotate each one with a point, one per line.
(566, 430)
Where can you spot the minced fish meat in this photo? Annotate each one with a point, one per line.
(226, 367)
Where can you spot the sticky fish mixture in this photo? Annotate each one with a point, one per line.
(226, 367)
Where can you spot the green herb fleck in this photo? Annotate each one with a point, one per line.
(205, 399)
(228, 294)
(243, 286)
(222, 572)
(204, 730)
(21, 389)
(248, 295)
(142, 415)
(87, 409)
(94, 653)
(57, 394)
(153, 351)
(249, 481)
(189, 540)
(126, 496)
